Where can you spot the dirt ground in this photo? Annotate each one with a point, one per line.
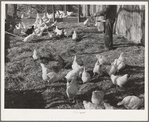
(25, 88)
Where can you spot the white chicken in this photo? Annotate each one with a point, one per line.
(22, 16)
(110, 69)
(38, 35)
(85, 76)
(60, 16)
(23, 25)
(68, 32)
(74, 36)
(35, 26)
(58, 31)
(51, 35)
(89, 105)
(97, 97)
(50, 77)
(40, 23)
(44, 18)
(73, 74)
(61, 12)
(102, 59)
(131, 102)
(43, 27)
(50, 16)
(121, 66)
(64, 16)
(121, 57)
(17, 30)
(35, 55)
(86, 22)
(37, 30)
(97, 68)
(57, 14)
(48, 21)
(75, 65)
(69, 13)
(18, 26)
(108, 106)
(72, 88)
(37, 19)
(29, 38)
(121, 62)
(119, 80)
(65, 32)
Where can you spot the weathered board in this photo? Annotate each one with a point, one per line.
(130, 22)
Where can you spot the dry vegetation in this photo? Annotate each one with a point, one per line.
(24, 87)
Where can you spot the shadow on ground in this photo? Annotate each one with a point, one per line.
(27, 99)
(132, 70)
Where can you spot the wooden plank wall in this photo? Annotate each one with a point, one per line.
(88, 10)
(131, 22)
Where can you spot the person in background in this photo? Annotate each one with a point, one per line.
(110, 13)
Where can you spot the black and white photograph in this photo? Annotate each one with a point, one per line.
(74, 60)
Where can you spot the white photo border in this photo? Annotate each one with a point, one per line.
(73, 115)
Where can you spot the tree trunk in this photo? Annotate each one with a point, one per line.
(15, 11)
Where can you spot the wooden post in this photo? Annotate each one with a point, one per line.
(53, 9)
(94, 11)
(46, 10)
(6, 17)
(87, 10)
(14, 11)
(91, 10)
(83, 10)
(78, 13)
(6, 14)
(65, 9)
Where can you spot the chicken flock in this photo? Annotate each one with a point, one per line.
(41, 25)
(78, 71)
